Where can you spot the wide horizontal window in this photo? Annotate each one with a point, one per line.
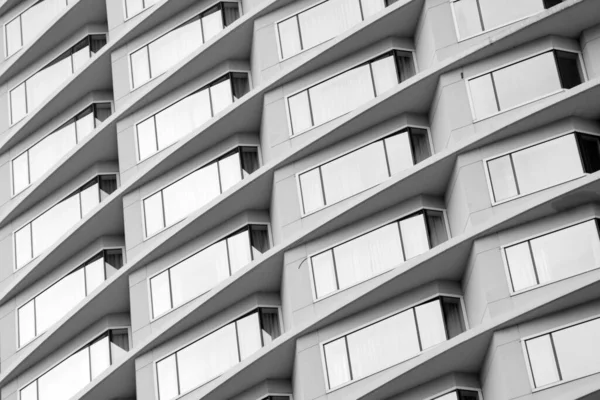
(554, 256)
(544, 165)
(378, 251)
(324, 21)
(158, 56)
(134, 7)
(459, 395)
(523, 82)
(41, 233)
(392, 340)
(476, 16)
(177, 120)
(30, 165)
(363, 168)
(23, 29)
(215, 353)
(566, 354)
(31, 93)
(176, 201)
(72, 374)
(202, 271)
(348, 90)
(45, 309)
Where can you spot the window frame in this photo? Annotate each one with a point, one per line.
(79, 265)
(387, 221)
(188, 254)
(525, 353)
(182, 175)
(237, 316)
(132, 88)
(58, 126)
(387, 133)
(387, 315)
(545, 232)
(454, 389)
(364, 61)
(74, 43)
(547, 49)
(95, 338)
(563, 133)
(6, 55)
(188, 93)
(126, 15)
(89, 178)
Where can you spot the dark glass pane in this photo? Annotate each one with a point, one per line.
(467, 395)
(269, 322)
(113, 258)
(551, 3)
(249, 159)
(120, 337)
(240, 84)
(259, 239)
(406, 66)
(453, 316)
(419, 141)
(102, 111)
(589, 147)
(436, 227)
(568, 69)
(108, 184)
(97, 42)
(231, 12)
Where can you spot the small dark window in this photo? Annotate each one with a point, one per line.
(436, 227)
(249, 160)
(467, 395)
(120, 337)
(589, 147)
(108, 184)
(551, 3)
(101, 112)
(239, 84)
(259, 239)
(269, 322)
(419, 142)
(453, 316)
(568, 69)
(231, 12)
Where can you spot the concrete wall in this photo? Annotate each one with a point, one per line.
(7, 262)
(440, 386)
(145, 365)
(11, 390)
(590, 48)
(142, 323)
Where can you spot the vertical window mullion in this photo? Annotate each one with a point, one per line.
(348, 356)
(35, 329)
(335, 272)
(514, 171)
(312, 119)
(28, 168)
(401, 240)
(177, 373)
(560, 378)
(322, 186)
(148, 59)
(170, 288)
(387, 160)
(495, 91)
(480, 13)
(417, 328)
(237, 341)
(362, 14)
(537, 279)
(372, 79)
(579, 145)
(219, 176)
(155, 132)
(228, 257)
(427, 230)
(85, 279)
(162, 203)
(299, 33)
(89, 350)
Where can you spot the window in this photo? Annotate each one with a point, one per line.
(323, 22)
(543, 165)
(473, 17)
(460, 394)
(280, 397)
(380, 250)
(23, 29)
(31, 93)
(523, 82)
(565, 354)
(158, 56)
(349, 90)
(33, 163)
(392, 340)
(45, 309)
(215, 353)
(181, 118)
(73, 373)
(203, 270)
(362, 169)
(554, 256)
(176, 201)
(134, 7)
(41, 233)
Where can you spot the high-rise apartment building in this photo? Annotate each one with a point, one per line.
(307, 200)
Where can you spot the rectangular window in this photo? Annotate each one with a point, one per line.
(23, 29)
(565, 354)
(36, 161)
(182, 117)
(173, 203)
(543, 165)
(76, 371)
(391, 341)
(347, 91)
(30, 94)
(41, 233)
(203, 270)
(158, 56)
(363, 168)
(460, 394)
(323, 22)
(554, 256)
(134, 7)
(45, 309)
(380, 250)
(473, 17)
(215, 353)
(523, 82)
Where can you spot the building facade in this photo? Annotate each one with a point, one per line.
(307, 200)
